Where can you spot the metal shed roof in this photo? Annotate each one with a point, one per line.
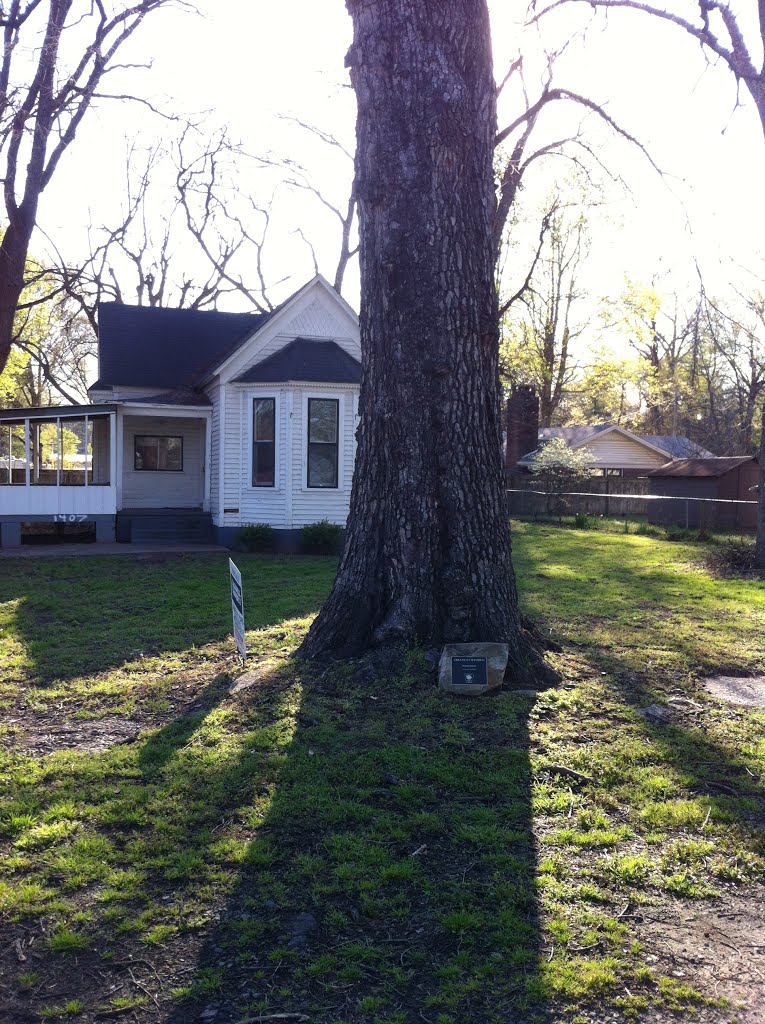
(714, 467)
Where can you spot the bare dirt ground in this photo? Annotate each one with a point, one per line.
(717, 946)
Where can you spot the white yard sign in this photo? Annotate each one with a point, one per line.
(237, 608)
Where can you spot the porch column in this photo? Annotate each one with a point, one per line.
(116, 455)
(208, 458)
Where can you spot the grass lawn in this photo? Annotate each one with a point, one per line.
(320, 846)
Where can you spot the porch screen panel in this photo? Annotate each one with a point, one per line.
(45, 453)
(263, 442)
(74, 452)
(99, 450)
(323, 414)
(13, 454)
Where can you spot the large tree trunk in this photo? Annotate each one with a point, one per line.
(427, 554)
(760, 550)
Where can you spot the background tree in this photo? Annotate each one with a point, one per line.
(541, 328)
(760, 548)
(717, 27)
(427, 553)
(196, 226)
(559, 469)
(42, 104)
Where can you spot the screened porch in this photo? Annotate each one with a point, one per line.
(58, 462)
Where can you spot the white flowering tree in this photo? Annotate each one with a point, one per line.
(560, 469)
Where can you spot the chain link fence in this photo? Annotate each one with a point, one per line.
(689, 513)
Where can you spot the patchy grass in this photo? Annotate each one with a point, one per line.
(363, 851)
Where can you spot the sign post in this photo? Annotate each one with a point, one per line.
(237, 609)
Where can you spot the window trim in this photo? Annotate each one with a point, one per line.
(340, 399)
(148, 469)
(253, 441)
(246, 413)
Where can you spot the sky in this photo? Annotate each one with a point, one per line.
(251, 63)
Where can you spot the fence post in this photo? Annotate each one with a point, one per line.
(687, 514)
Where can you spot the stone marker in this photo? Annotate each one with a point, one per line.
(472, 669)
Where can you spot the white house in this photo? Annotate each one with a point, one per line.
(199, 423)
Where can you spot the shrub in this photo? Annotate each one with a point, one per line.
(675, 532)
(255, 537)
(582, 521)
(322, 538)
(732, 558)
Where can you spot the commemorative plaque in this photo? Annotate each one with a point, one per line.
(472, 668)
(469, 672)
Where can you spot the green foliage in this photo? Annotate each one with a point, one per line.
(583, 521)
(322, 538)
(256, 537)
(384, 811)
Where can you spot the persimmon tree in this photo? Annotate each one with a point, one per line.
(427, 556)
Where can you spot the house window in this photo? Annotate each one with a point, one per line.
(263, 442)
(323, 418)
(155, 452)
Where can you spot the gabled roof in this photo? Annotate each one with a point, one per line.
(673, 447)
(573, 436)
(305, 360)
(145, 346)
(677, 446)
(710, 467)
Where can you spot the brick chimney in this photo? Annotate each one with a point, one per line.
(522, 425)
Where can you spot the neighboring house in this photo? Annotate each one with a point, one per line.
(199, 423)
(721, 481)
(615, 450)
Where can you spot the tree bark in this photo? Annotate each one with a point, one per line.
(427, 554)
(760, 549)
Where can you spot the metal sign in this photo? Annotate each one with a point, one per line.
(237, 608)
(469, 671)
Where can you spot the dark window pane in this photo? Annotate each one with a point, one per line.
(153, 452)
(171, 453)
(263, 464)
(263, 419)
(322, 465)
(263, 442)
(322, 419)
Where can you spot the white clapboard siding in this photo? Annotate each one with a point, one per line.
(158, 489)
(214, 395)
(310, 504)
(615, 451)
(262, 504)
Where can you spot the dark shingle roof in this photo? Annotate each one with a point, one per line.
(306, 360)
(572, 435)
(716, 466)
(144, 346)
(177, 396)
(677, 447)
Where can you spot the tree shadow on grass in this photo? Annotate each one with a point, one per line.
(392, 878)
(71, 618)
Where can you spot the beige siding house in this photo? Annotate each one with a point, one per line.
(616, 451)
